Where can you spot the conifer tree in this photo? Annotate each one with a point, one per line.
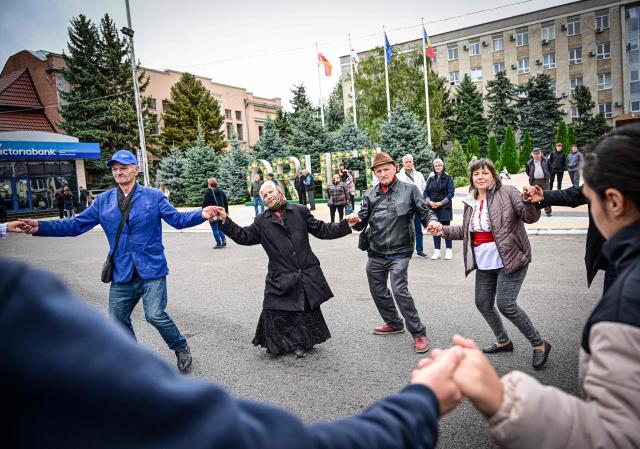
(493, 154)
(509, 159)
(350, 138)
(571, 136)
(191, 106)
(334, 109)
(300, 101)
(308, 136)
(561, 136)
(201, 163)
(469, 113)
(404, 134)
(270, 145)
(526, 149)
(473, 148)
(232, 172)
(282, 122)
(171, 171)
(457, 164)
(539, 111)
(588, 127)
(501, 96)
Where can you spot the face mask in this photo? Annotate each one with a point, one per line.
(277, 202)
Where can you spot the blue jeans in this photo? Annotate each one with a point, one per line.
(217, 233)
(436, 240)
(419, 235)
(257, 203)
(123, 298)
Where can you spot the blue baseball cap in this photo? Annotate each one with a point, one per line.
(124, 157)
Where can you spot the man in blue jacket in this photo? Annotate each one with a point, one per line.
(140, 266)
(74, 380)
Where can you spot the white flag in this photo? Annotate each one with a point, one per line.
(355, 59)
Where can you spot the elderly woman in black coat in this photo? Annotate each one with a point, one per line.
(291, 320)
(438, 194)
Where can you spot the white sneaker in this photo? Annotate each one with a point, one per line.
(448, 254)
(436, 254)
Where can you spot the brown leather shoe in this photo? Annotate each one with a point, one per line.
(385, 329)
(421, 344)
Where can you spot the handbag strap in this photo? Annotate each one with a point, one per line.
(125, 216)
(373, 209)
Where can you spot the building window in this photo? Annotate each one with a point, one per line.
(522, 38)
(604, 81)
(635, 106)
(152, 103)
(633, 56)
(603, 50)
(573, 26)
(549, 61)
(238, 115)
(452, 53)
(454, 78)
(605, 110)
(602, 21)
(227, 114)
(498, 43)
(575, 113)
(164, 104)
(575, 56)
(498, 67)
(549, 33)
(239, 132)
(229, 130)
(575, 82)
(476, 74)
(554, 88)
(260, 131)
(523, 65)
(474, 48)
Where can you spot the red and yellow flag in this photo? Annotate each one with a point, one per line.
(325, 62)
(429, 51)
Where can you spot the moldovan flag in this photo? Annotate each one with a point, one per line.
(325, 62)
(355, 59)
(429, 51)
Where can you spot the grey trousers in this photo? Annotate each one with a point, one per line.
(498, 286)
(378, 271)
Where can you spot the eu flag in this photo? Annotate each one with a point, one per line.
(387, 48)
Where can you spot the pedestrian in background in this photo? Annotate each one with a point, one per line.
(215, 196)
(337, 197)
(410, 175)
(351, 186)
(69, 203)
(574, 165)
(439, 194)
(84, 198)
(165, 191)
(558, 161)
(254, 194)
(59, 201)
(299, 185)
(310, 188)
(539, 171)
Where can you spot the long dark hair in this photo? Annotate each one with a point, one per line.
(615, 163)
(483, 163)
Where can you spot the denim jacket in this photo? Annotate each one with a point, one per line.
(141, 239)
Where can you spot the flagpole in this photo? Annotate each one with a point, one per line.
(386, 72)
(353, 86)
(426, 81)
(320, 87)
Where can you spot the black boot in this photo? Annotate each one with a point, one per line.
(184, 359)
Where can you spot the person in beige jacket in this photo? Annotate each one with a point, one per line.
(523, 413)
(495, 243)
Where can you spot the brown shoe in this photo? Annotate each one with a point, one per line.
(385, 329)
(421, 344)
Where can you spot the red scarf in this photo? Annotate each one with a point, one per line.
(385, 188)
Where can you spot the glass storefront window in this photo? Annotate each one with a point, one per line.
(35, 168)
(6, 194)
(52, 167)
(6, 169)
(20, 169)
(67, 167)
(22, 191)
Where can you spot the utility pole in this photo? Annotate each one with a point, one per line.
(142, 152)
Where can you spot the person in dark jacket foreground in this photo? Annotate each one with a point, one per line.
(291, 320)
(76, 380)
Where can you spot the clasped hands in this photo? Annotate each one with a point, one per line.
(458, 372)
(534, 194)
(214, 213)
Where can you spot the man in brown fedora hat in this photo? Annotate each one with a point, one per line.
(388, 210)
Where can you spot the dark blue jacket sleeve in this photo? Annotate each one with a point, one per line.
(89, 218)
(78, 380)
(178, 220)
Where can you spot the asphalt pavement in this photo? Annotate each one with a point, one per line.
(215, 298)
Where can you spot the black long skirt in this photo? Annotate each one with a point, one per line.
(281, 332)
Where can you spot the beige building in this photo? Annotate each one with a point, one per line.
(244, 113)
(595, 43)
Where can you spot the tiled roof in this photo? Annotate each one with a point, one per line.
(25, 121)
(17, 89)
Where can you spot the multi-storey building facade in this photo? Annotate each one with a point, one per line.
(595, 43)
(245, 113)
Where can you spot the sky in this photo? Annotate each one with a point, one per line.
(263, 46)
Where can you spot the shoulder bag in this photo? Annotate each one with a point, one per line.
(107, 266)
(363, 239)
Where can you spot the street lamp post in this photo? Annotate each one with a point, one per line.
(142, 154)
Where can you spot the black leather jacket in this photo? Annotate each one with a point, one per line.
(391, 228)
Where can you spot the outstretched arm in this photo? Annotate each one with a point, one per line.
(326, 231)
(178, 220)
(80, 224)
